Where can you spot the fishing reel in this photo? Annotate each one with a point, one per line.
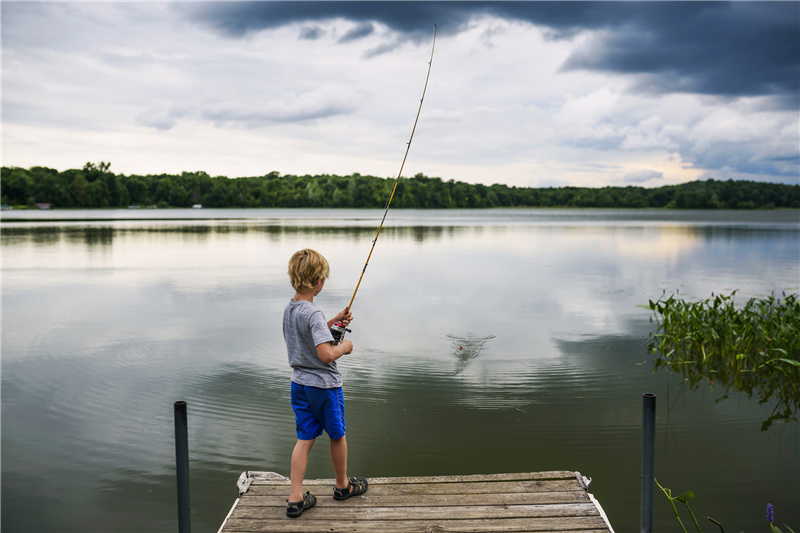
(338, 330)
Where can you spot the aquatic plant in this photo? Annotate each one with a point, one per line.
(754, 349)
(684, 499)
(771, 516)
(687, 496)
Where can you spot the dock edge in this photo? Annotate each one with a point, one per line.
(243, 484)
(585, 482)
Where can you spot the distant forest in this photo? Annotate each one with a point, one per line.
(95, 186)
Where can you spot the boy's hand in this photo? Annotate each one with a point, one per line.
(347, 346)
(344, 316)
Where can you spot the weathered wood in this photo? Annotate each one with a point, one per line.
(594, 524)
(535, 502)
(371, 499)
(422, 489)
(471, 478)
(340, 512)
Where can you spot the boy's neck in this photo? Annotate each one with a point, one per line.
(307, 296)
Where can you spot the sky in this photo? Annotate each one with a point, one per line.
(530, 94)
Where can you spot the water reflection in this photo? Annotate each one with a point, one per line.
(107, 323)
(647, 239)
(94, 235)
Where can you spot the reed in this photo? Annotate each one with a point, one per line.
(754, 349)
(687, 496)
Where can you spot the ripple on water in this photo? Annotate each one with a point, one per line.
(585, 374)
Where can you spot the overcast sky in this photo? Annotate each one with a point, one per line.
(524, 93)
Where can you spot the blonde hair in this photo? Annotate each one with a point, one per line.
(305, 268)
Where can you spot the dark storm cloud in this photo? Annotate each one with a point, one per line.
(311, 33)
(728, 49)
(717, 48)
(238, 18)
(359, 32)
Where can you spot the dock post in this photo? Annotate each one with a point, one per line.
(182, 467)
(648, 461)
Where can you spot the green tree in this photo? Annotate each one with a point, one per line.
(97, 194)
(17, 186)
(137, 191)
(49, 189)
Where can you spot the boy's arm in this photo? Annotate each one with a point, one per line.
(328, 353)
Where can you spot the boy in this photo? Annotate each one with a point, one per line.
(317, 398)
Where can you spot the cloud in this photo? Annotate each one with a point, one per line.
(301, 109)
(524, 93)
(359, 31)
(237, 19)
(734, 137)
(327, 102)
(161, 118)
(311, 33)
(641, 176)
(717, 48)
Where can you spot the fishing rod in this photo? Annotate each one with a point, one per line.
(338, 330)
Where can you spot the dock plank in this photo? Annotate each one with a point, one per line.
(371, 499)
(423, 489)
(514, 525)
(518, 502)
(433, 512)
(471, 478)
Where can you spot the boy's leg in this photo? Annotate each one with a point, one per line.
(344, 488)
(299, 465)
(308, 429)
(339, 458)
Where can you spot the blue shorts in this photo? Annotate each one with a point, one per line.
(316, 409)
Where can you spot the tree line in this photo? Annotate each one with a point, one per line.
(95, 186)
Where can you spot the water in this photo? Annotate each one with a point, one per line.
(485, 341)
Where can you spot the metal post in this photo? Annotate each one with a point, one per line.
(648, 461)
(182, 464)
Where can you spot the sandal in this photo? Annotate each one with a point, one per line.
(356, 486)
(295, 509)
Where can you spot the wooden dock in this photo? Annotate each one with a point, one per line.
(539, 501)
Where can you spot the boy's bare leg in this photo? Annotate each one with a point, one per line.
(299, 466)
(339, 458)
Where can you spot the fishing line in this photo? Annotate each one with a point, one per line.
(339, 330)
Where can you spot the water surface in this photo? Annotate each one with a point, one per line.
(485, 341)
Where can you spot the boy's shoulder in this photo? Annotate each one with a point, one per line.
(301, 304)
(302, 307)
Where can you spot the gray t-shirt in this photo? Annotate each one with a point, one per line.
(305, 328)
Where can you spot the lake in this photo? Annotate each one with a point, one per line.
(486, 341)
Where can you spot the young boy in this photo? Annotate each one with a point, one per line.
(317, 398)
